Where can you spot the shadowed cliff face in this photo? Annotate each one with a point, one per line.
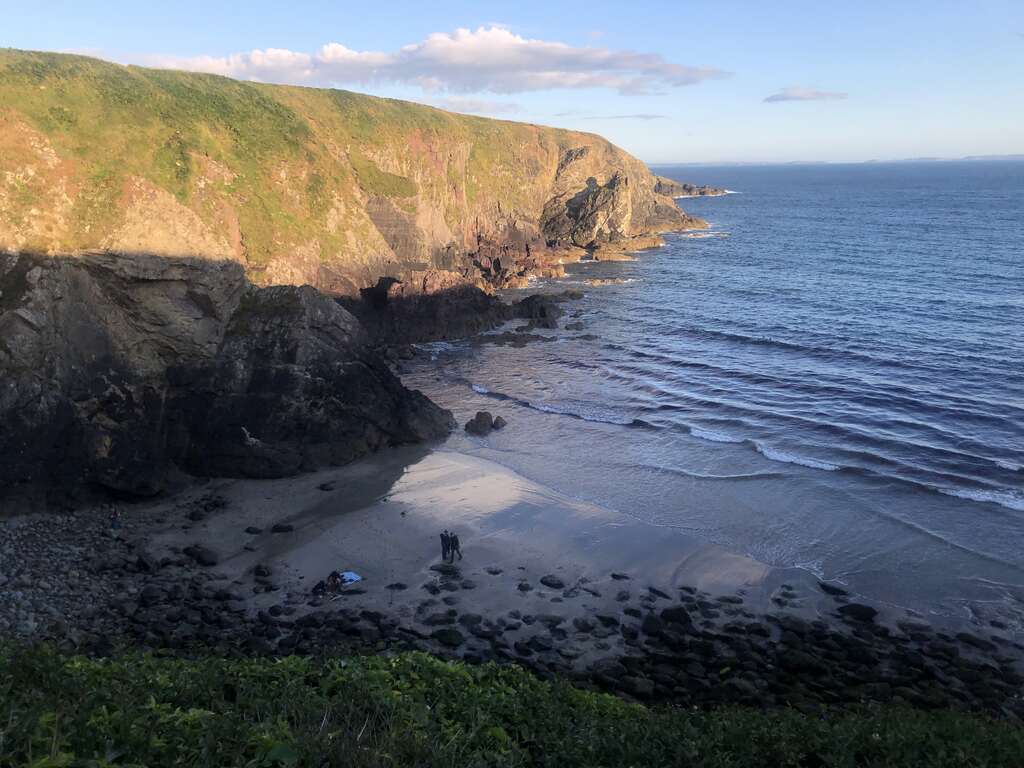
(118, 370)
(300, 185)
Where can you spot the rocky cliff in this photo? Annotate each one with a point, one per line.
(155, 227)
(120, 371)
(300, 185)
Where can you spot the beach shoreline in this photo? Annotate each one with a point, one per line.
(564, 587)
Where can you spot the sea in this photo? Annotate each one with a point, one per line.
(830, 377)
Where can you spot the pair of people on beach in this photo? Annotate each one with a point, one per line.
(450, 546)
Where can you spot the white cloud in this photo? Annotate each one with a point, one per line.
(586, 115)
(796, 93)
(488, 59)
(475, 106)
(638, 116)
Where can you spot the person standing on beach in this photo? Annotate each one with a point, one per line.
(456, 548)
(446, 545)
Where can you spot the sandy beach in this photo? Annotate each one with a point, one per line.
(382, 518)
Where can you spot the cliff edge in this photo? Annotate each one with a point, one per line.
(301, 185)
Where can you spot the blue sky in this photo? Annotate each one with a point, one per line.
(670, 82)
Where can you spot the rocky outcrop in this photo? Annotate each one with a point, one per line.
(119, 371)
(302, 185)
(672, 188)
(441, 306)
(429, 306)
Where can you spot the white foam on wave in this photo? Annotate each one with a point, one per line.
(577, 414)
(435, 348)
(817, 567)
(479, 389)
(715, 437)
(791, 458)
(703, 235)
(1009, 465)
(688, 197)
(1005, 498)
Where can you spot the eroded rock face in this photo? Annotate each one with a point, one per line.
(586, 212)
(117, 370)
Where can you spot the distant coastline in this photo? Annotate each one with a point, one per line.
(1014, 158)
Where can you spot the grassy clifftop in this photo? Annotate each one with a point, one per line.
(299, 184)
(414, 710)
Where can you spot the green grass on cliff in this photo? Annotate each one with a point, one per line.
(415, 710)
(286, 163)
(378, 182)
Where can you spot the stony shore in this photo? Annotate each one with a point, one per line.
(229, 567)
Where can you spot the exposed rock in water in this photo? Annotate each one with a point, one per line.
(481, 424)
(672, 188)
(440, 307)
(542, 311)
(121, 370)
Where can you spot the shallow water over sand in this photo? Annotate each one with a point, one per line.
(832, 380)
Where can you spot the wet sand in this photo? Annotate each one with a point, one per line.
(382, 517)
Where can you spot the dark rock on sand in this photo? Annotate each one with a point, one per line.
(202, 555)
(652, 625)
(858, 612)
(446, 569)
(677, 615)
(582, 624)
(449, 636)
(552, 582)
(832, 589)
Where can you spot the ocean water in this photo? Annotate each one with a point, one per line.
(830, 377)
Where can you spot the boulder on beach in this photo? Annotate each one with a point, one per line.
(858, 612)
(449, 636)
(202, 555)
(552, 582)
(481, 424)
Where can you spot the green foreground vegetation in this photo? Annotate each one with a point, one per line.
(415, 710)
